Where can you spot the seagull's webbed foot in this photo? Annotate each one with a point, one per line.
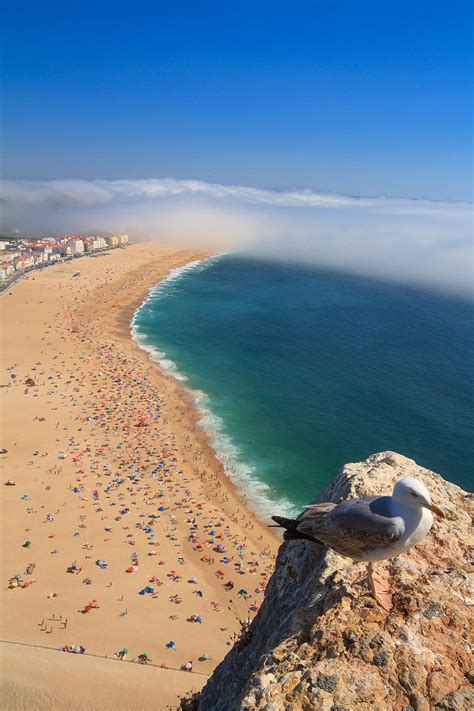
(380, 590)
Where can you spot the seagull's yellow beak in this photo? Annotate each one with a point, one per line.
(436, 509)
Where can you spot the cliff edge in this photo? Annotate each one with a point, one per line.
(320, 641)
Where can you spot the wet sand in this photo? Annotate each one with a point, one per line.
(111, 474)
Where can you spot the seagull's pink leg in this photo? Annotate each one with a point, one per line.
(380, 590)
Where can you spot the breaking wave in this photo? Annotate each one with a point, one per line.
(258, 495)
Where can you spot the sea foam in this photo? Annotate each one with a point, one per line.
(258, 495)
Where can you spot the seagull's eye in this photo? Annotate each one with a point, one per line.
(413, 493)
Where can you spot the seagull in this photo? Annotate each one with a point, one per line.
(369, 529)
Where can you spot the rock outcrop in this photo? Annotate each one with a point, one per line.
(319, 640)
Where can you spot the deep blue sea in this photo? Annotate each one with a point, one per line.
(298, 370)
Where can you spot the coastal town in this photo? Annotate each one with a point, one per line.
(18, 256)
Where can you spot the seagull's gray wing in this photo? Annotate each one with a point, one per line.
(355, 526)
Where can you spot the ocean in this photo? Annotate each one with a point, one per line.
(298, 370)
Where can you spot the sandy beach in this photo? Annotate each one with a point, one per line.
(120, 530)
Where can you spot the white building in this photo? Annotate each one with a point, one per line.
(6, 270)
(10, 256)
(75, 246)
(24, 262)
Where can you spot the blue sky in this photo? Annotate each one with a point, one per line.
(364, 98)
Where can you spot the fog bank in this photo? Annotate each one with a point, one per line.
(413, 241)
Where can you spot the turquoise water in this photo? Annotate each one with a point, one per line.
(298, 370)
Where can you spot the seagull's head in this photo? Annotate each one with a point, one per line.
(411, 492)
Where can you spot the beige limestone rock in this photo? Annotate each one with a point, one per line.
(319, 640)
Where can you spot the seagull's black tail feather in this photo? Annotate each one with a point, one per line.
(291, 529)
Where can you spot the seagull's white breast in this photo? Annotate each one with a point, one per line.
(416, 522)
(416, 529)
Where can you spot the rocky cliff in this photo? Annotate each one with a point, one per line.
(320, 641)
